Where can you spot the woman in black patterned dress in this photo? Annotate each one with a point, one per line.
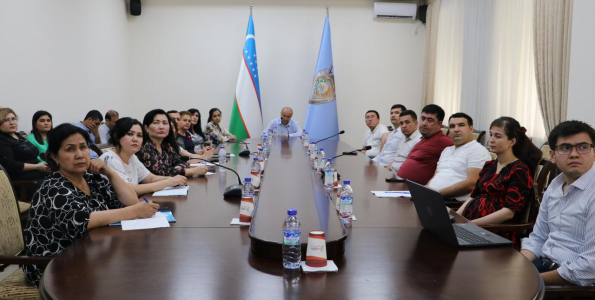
(72, 201)
(505, 184)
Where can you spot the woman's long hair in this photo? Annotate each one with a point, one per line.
(121, 129)
(523, 149)
(197, 128)
(35, 131)
(171, 137)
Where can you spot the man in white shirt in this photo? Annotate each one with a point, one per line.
(285, 125)
(110, 120)
(390, 145)
(375, 133)
(459, 165)
(562, 244)
(412, 136)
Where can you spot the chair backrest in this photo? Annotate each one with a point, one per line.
(478, 135)
(22, 134)
(544, 174)
(11, 232)
(96, 149)
(493, 155)
(545, 151)
(444, 130)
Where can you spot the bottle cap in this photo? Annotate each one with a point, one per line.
(346, 181)
(222, 147)
(292, 211)
(321, 149)
(329, 159)
(247, 179)
(256, 158)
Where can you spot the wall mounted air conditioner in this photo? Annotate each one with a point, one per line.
(387, 10)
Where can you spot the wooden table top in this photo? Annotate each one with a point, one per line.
(386, 252)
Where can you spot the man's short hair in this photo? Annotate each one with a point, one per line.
(110, 114)
(435, 110)
(94, 115)
(462, 115)
(409, 113)
(401, 106)
(373, 111)
(568, 128)
(173, 111)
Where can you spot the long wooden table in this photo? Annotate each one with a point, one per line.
(385, 254)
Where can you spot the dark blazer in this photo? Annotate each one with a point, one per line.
(14, 153)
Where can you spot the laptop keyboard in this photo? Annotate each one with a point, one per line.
(469, 237)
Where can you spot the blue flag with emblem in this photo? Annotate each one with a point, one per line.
(321, 120)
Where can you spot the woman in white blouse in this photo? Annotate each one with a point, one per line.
(127, 136)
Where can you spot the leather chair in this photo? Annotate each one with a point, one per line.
(12, 245)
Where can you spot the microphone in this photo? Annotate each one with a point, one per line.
(353, 152)
(234, 190)
(334, 135)
(245, 152)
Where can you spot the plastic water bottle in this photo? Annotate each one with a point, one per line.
(276, 132)
(292, 240)
(313, 152)
(329, 174)
(320, 160)
(260, 156)
(338, 200)
(265, 148)
(248, 188)
(255, 173)
(306, 139)
(222, 156)
(270, 135)
(346, 207)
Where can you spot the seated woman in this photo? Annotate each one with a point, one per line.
(214, 131)
(72, 201)
(127, 136)
(184, 138)
(505, 184)
(161, 153)
(17, 155)
(198, 137)
(41, 124)
(205, 153)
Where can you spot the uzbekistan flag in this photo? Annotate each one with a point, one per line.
(246, 115)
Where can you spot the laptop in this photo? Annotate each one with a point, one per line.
(435, 218)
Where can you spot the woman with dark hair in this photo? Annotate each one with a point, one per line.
(161, 153)
(41, 124)
(204, 153)
(184, 137)
(506, 183)
(17, 155)
(81, 194)
(214, 131)
(196, 127)
(128, 136)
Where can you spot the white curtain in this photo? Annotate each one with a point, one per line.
(485, 63)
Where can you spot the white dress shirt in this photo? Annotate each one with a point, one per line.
(374, 138)
(292, 128)
(405, 146)
(103, 133)
(387, 154)
(565, 228)
(454, 162)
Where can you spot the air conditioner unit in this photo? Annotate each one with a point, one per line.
(387, 10)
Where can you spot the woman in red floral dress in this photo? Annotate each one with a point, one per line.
(505, 184)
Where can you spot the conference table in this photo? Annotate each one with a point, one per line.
(384, 254)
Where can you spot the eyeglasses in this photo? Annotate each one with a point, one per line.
(14, 119)
(582, 148)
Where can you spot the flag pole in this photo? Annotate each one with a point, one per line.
(251, 10)
(327, 11)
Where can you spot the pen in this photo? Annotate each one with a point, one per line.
(145, 199)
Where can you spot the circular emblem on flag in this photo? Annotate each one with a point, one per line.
(323, 87)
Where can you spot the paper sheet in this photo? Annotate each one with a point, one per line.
(209, 173)
(236, 221)
(201, 164)
(172, 191)
(391, 194)
(330, 267)
(149, 223)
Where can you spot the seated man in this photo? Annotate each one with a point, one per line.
(91, 125)
(421, 162)
(375, 133)
(459, 165)
(285, 125)
(390, 145)
(412, 136)
(562, 244)
(110, 119)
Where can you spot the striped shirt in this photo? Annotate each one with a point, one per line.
(565, 228)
